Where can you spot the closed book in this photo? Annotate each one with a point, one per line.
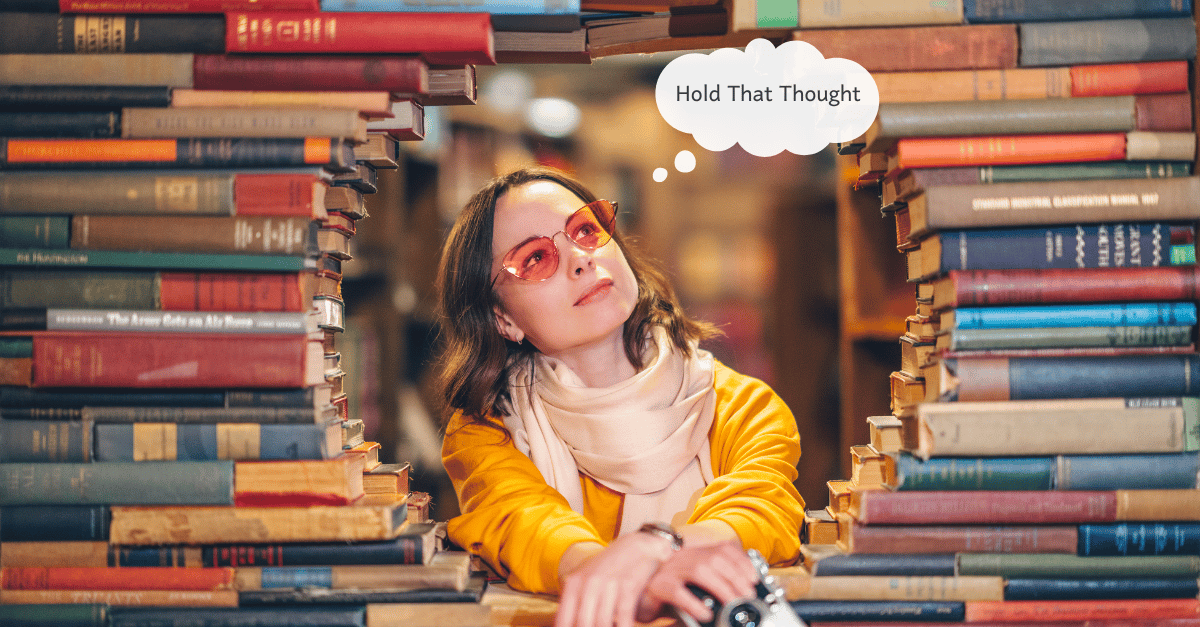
(59, 523)
(332, 153)
(494, 7)
(126, 598)
(127, 259)
(1069, 315)
(1079, 426)
(175, 6)
(160, 405)
(363, 520)
(406, 122)
(1063, 285)
(910, 48)
(182, 415)
(217, 192)
(260, 235)
(81, 97)
(440, 38)
(528, 46)
(111, 33)
(295, 122)
(1062, 567)
(168, 441)
(1080, 589)
(884, 507)
(431, 604)
(937, 611)
(1072, 341)
(1126, 539)
(159, 483)
(818, 14)
(105, 69)
(1107, 41)
(1110, 79)
(105, 578)
(798, 584)
(272, 323)
(979, 11)
(171, 360)
(884, 565)
(405, 74)
(56, 615)
(342, 616)
(1018, 378)
(1094, 609)
(945, 207)
(1058, 472)
(335, 480)
(45, 441)
(1052, 246)
(858, 538)
(896, 120)
(370, 103)
(449, 570)
(448, 85)
(75, 124)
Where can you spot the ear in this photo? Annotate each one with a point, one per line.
(508, 327)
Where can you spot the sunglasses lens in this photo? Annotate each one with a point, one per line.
(591, 227)
(534, 260)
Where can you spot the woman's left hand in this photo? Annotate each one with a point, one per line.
(723, 570)
(604, 590)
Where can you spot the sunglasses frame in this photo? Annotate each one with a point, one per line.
(610, 229)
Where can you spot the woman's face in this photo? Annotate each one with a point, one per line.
(590, 295)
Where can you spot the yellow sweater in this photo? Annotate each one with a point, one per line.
(522, 526)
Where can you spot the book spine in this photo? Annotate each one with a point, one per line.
(29, 523)
(1127, 472)
(397, 74)
(1164, 112)
(1079, 589)
(959, 47)
(999, 287)
(45, 441)
(982, 507)
(165, 483)
(35, 231)
(82, 124)
(156, 556)
(1092, 170)
(980, 473)
(1086, 315)
(123, 578)
(983, 11)
(1132, 244)
(81, 97)
(1079, 377)
(101, 69)
(939, 611)
(1056, 611)
(1082, 42)
(249, 322)
(1128, 78)
(279, 195)
(57, 33)
(67, 359)
(961, 539)
(495, 7)
(404, 550)
(260, 235)
(885, 565)
(998, 117)
(262, 415)
(184, 6)
(241, 122)
(70, 258)
(1114, 338)
(446, 39)
(157, 598)
(1124, 539)
(419, 599)
(932, 152)
(124, 193)
(334, 616)
(198, 442)
(230, 291)
(187, 152)
(1050, 566)
(252, 525)
(44, 554)
(56, 615)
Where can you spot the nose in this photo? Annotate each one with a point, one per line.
(578, 258)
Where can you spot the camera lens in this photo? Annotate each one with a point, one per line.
(744, 615)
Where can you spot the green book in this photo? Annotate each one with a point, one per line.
(117, 483)
(1047, 565)
(61, 258)
(55, 615)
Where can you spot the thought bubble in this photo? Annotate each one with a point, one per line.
(767, 99)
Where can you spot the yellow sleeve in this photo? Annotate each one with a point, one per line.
(510, 516)
(755, 448)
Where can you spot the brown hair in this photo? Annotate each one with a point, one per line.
(474, 359)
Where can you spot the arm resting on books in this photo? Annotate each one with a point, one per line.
(510, 516)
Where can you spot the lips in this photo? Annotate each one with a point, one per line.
(601, 288)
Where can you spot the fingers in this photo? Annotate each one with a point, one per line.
(568, 603)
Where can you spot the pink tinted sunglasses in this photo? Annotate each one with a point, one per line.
(536, 258)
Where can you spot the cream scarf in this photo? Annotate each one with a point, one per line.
(646, 437)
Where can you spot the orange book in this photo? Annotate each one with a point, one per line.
(933, 152)
(116, 578)
(1129, 78)
(1089, 610)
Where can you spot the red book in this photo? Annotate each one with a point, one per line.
(184, 6)
(440, 38)
(858, 538)
(122, 578)
(234, 291)
(312, 72)
(966, 288)
(1096, 609)
(280, 195)
(976, 507)
(172, 360)
(1129, 78)
(910, 48)
(933, 152)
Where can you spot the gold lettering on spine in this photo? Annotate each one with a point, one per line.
(238, 441)
(177, 193)
(155, 441)
(100, 33)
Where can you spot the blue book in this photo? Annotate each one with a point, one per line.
(1139, 539)
(1088, 589)
(1151, 471)
(109, 483)
(266, 616)
(204, 442)
(925, 611)
(1082, 315)
(986, 11)
(39, 523)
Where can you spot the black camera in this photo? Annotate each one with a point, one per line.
(768, 608)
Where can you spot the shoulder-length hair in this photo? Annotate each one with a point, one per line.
(474, 360)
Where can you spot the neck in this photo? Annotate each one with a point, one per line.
(599, 364)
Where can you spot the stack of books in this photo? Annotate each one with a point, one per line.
(176, 206)
(1039, 464)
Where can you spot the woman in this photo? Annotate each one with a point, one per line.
(597, 453)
